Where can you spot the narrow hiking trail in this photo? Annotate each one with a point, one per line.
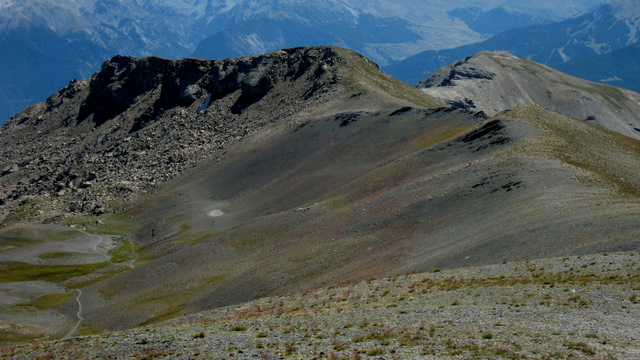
(78, 315)
(96, 249)
(100, 239)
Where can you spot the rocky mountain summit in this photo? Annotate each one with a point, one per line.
(495, 81)
(141, 121)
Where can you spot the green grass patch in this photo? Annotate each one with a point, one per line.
(174, 303)
(115, 225)
(12, 272)
(375, 352)
(436, 136)
(51, 301)
(125, 252)
(364, 71)
(193, 238)
(12, 333)
(166, 315)
(605, 153)
(216, 278)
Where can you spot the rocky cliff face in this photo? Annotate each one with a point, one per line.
(141, 121)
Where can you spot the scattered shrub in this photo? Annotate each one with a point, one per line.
(374, 352)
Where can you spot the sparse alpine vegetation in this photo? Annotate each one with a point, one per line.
(561, 308)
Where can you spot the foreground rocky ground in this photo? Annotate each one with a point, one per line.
(584, 307)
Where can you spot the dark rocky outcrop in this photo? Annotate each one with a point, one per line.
(457, 72)
(141, 121)
(98, 143)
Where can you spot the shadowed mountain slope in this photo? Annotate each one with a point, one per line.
(140, 122)
(496, 81)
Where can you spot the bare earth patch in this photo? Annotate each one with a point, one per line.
(215, 213)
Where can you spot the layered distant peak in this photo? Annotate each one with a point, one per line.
(462, 70)
(627, 9)
(495, 81)
(576, 42)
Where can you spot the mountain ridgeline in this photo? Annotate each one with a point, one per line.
(45, 43)
(225, 181)
(139, 122)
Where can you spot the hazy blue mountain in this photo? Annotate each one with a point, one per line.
(607, 28)
(38, 60)
(493, 21)
(47, 43)
(275, 32)
(385, 31)
(620, 67)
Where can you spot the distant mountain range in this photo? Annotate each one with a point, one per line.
(620, 67)
(600, 45)
(46, 43)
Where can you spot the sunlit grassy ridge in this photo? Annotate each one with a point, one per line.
(612, 156)
(362, 70)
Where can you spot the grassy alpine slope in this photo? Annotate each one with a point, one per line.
(358, 195)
